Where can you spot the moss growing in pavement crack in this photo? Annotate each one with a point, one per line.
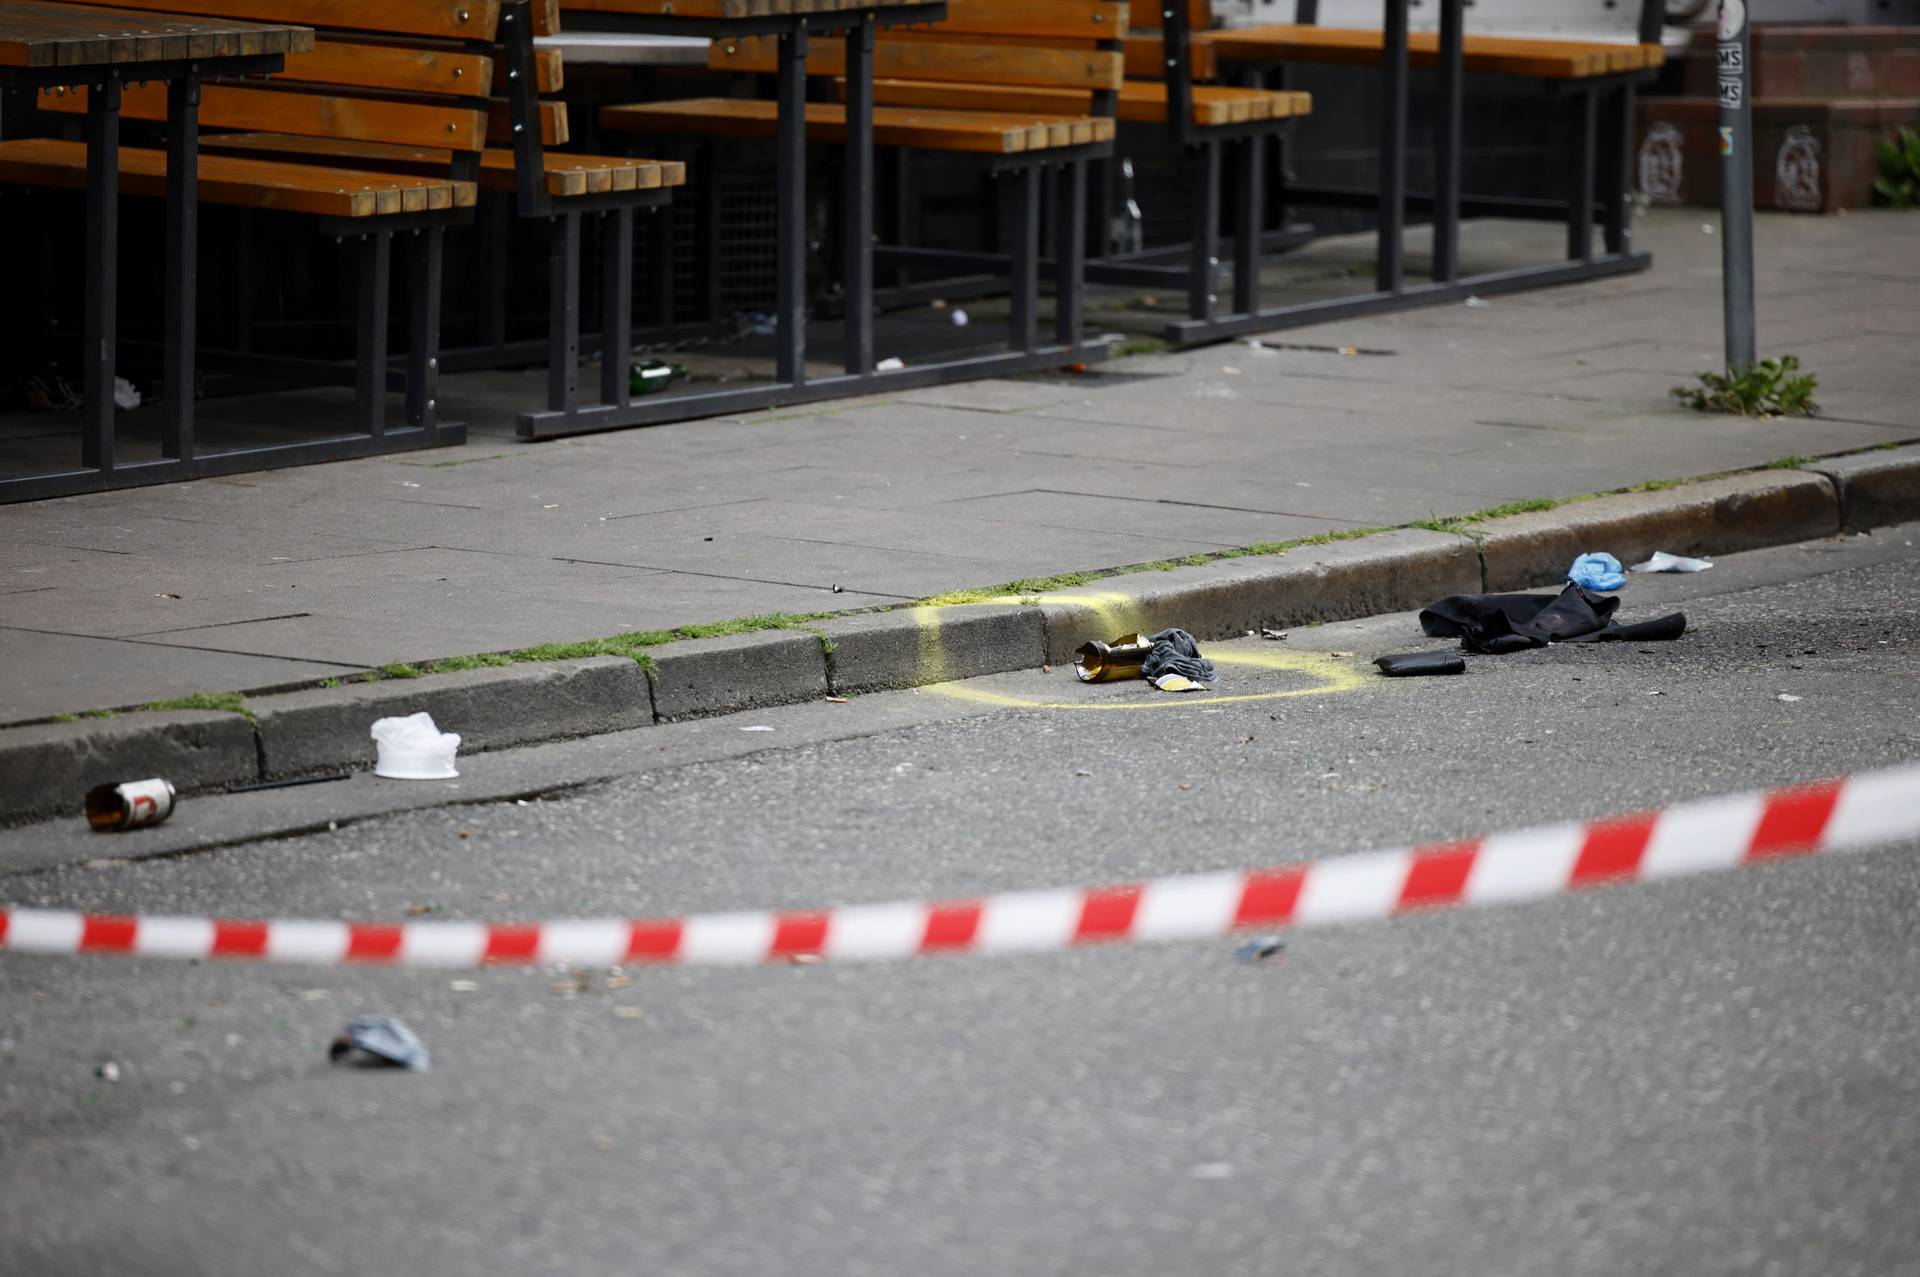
(226, 702)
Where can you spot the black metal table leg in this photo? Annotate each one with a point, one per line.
(1204, 274)
(1580, 177)
(563, 312)
(103, 269)
(1446, 142)
(660, 265)
(857, 211)
(370, 374)
(1070, 252)
(616, 304)
(1393, 148)
(1617, 169)
(712, 297)
(1249, 220)
(495, 250)
(1023, 260)
(182, 286)
(425, 276)
(790, 235)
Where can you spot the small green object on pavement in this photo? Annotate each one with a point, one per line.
(650, 376)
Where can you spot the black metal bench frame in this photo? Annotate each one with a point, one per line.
(615, 209)
(791, 384)
(1199, 273)
(179, 457)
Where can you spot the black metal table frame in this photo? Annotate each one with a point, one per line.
(179, 457)
(791, 385)
(1446, 284)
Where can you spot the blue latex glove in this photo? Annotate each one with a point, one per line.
(1599, 572)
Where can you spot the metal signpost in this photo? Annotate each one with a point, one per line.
(1736, 183)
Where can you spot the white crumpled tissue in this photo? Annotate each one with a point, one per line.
(1664, 562)
(412, 748)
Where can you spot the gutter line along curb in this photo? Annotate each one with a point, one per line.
(45, 768)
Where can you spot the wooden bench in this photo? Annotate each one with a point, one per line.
(1027, 86)
(517, 83)
(385, 72)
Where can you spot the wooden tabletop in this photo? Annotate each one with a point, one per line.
(727, 10)
(35, 33)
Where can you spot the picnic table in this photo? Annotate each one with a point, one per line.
(791, 21)
(55, 47)
(1578, 71)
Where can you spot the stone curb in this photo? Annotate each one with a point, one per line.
(700, 677)
(49, 767)
(1719, 516)
(326, 728)
(1385, 572)
(46, 768)
(1875, 488)
(911, 648)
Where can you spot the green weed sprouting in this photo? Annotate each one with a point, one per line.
(1769, 388)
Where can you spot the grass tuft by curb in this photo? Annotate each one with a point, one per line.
(225, 702)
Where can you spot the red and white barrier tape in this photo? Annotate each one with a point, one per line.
(1689, 838)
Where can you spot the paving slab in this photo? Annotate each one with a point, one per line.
(50, 674)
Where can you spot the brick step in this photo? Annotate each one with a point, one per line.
(1811, 155)
(1819, 62)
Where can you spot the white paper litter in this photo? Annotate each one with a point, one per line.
(412, 748)
(1664, 562)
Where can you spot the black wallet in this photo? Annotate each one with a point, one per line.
(1414, 664)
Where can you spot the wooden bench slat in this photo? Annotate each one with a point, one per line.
(236, 180)
(1063, 19)
(567, 175)
(1482, 54)
(1141, 102)
(939, 130)
(553, 123)
(234, 106)
(548, 69)
(1146, 57)
(384, 66)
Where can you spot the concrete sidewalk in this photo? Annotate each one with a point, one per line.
(279, 579)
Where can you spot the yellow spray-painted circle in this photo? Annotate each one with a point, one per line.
(1331, 675)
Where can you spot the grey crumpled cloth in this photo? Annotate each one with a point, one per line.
(1175, 652)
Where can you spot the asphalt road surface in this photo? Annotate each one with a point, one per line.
(1708, 1076)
